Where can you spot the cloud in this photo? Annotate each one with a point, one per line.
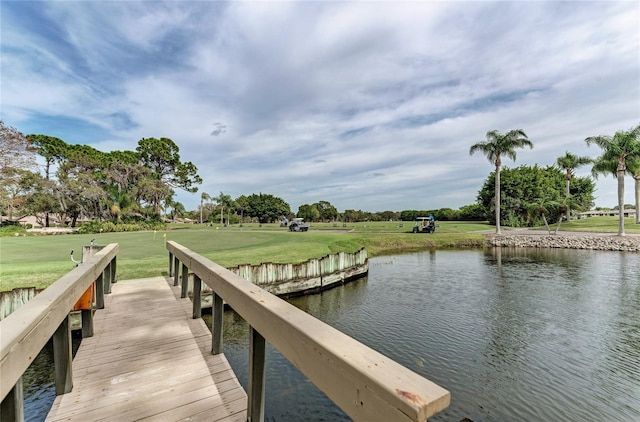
(363, 104)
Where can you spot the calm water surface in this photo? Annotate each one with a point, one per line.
(526, 334)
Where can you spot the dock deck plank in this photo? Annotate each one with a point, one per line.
(149, 360)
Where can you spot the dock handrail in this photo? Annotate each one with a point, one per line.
(27, 330)
(365, 384)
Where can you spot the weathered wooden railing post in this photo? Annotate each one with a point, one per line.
(216, 324)
(170, 264)
(106, 279)
(62, 357)
(255, 405)
(176, 271)
(197, 296)
(12, 408)
(87, 322)
(113, 266)
(185, 281)
(100, 291)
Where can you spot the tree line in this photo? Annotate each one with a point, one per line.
(140, 185)
(118, 185)
(620, 156)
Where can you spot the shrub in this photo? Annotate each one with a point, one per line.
(12, 230)
(110, 227)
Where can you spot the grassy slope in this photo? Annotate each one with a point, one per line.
(40, 260)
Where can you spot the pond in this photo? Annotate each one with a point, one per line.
(514, 334)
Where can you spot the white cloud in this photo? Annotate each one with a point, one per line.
(363, 104)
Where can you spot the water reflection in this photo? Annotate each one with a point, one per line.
(514, 334)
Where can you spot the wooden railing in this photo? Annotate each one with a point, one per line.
(27, 330)
(365, 384)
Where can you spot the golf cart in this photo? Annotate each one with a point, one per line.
(298, 225)
(424, 225)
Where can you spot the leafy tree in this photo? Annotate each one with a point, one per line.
(622, 146)
(16, 151)
(524, 182)
(163, 158)
(14, 188)
(52, 149)
(409, 215)
(569, 162)
(266, 207)
(353, 215)
(388, 215)
(39, 199)
(309, 212)
(17, 156)
(497, 145)
(472, 212)
(327, 211)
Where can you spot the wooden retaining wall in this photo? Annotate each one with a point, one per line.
(13, 299)
(310, 276)
(313, 275)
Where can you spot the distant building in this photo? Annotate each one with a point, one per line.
(629, 212)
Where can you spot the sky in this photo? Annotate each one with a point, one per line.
(369, 105)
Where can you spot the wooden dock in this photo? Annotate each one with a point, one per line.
(150, 360)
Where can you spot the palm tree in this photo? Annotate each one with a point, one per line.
(497, 145)
(541, 207)
(569, 162)
(203, 196)
(634, 169)
(564, 206)
(623, 146)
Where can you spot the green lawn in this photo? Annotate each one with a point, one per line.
(40, 260)
(598, 224)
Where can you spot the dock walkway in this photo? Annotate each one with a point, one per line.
(149, 360)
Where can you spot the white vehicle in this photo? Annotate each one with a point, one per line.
(425, 225)
(298, 225)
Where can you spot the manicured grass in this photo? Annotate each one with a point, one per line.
(40, 260)
(598, 224)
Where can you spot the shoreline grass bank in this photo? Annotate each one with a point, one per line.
(38, 261)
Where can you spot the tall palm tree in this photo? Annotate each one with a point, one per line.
(203, 196)
(497, 145)
(569, 162)
(623, 146)
(634, 169)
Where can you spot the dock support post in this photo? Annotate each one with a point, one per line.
(100, 291)
(216, 322)
(12, 408)
(107, 278)
(197, 297)
(113, 266)
(62, 357)
(87, 323)
(176, 270)
(255, 405)
(185, 281)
